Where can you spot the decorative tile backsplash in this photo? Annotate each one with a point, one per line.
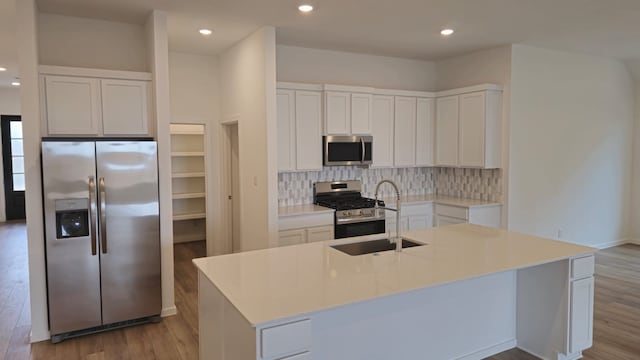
(297, 188)
(477, 184)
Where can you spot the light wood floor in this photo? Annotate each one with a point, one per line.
(616, 331)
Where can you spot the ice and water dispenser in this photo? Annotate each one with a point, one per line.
(72, 218)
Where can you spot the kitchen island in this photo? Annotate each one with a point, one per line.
(468, 293)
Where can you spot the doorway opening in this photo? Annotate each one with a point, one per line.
(232, 186)
(13, 160)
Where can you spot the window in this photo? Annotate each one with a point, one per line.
(17, 155)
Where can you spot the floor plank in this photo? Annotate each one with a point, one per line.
(616, 313)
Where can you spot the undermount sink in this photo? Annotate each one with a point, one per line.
(373, 246)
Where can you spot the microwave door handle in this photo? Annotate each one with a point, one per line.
(363, 150)
(92, 213)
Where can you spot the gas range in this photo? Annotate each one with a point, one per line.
(355, 215)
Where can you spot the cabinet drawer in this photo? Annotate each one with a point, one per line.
(452, 211)
(582, 267)
(285, 339)
(304, 356)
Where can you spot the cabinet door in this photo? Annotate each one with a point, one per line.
(472, 129)
(382, 124)
(292, 237)
(286, 130)
(320, 233)
(447, 131)
(308, 134)
(72, 105)
(581, 321)
(418, 222)
(425, 114)
(125, 107)
(405, 131)
(445, 220)
(338, 113)
(360, 114)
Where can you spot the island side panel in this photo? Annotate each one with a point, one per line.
(469, 319)
(224, 334)
(543, 308)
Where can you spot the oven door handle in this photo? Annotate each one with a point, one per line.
(345, 221)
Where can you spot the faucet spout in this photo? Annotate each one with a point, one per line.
(398, 240)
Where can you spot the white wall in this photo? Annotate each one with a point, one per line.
(486, 66)
(297, 64)
(9, 105)
(195, 98)
(82, 42)
(248, 86)
(572, 120)
(635, 192)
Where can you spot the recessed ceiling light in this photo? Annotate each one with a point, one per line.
(16, 83)
(447, 32)
(305, 8)
(206, 32)
(3, 68)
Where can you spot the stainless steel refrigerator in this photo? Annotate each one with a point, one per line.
(102, 234)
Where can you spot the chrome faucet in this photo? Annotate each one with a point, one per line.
(398, 240)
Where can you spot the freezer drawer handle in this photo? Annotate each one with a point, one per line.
(92, 212)
(103, 217)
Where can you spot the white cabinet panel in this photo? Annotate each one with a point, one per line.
(419, 222)
(285, 339)
(338, 113)
(447, 131)
(442, 220)
(405, 130)
(292, 237)
(361, 114)
(581, 319)
(425, 136)
(124, 107)
(320, 233)
(286, 130)
(382, 125)
(472, 129)
(72, 105)
(308, 110)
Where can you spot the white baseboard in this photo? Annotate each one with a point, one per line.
(573, 356)
(489, 351)
(169, 311)
(613, 243)
(37, 336)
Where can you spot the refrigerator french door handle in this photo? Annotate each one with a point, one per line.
(103, 216)
(92, 214)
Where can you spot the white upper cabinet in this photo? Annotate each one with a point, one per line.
(405, 131)
(425, 136)
(72, 105)
(338, 113)
(308, 112)
(93, 102)
(348, 110)
(382, 116)
(469, 130)
(447, 131)
(361, 114)
(124, 107)
(286, 130)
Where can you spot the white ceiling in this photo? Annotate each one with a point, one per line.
(403, 28)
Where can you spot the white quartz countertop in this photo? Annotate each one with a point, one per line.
(307, 209)
(278, 283)
(310, 209)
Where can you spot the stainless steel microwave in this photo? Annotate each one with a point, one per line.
(348, 150)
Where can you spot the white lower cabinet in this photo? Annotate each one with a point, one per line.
(581, 304)
(482, 215)
(412, 217)
(305, 228)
